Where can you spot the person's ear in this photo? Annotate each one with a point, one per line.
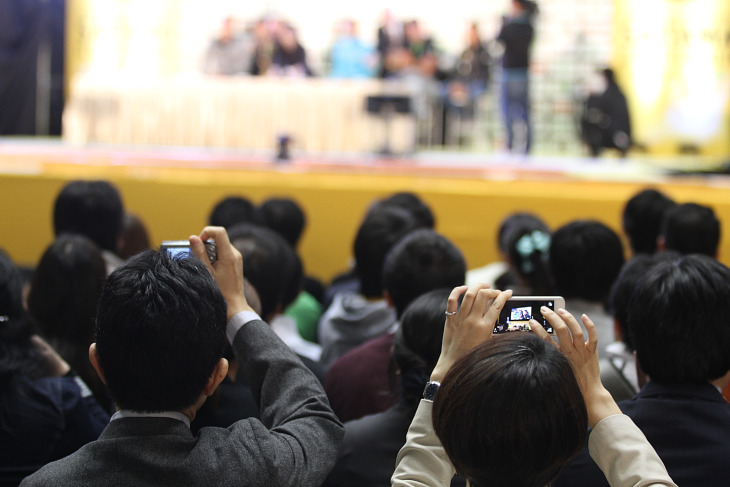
(661, 243)
(216, 377)
(388, 299)
(94, 358)
(618, 332)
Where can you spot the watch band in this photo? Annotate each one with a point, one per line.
(430, 391)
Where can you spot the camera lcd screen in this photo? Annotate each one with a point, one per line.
(516, 315)
(183, 252)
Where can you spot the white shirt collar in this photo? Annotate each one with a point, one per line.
(127, 413)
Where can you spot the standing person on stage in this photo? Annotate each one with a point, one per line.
(516, 36)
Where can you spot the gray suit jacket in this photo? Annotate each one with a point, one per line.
(295, 442)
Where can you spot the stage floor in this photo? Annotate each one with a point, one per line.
(174, 188)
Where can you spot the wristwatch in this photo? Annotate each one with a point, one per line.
(430, 391)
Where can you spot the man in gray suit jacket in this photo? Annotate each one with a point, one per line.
(161, 327)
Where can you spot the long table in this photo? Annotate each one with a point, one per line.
(318, 114)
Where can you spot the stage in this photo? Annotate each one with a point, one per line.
(174, 188)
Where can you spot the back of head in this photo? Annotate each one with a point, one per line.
(585, 259)
(417, 343)
(510, 413)
(284, 216)
(90, 208)
(65, 290)
(527, 243)
(231, 211)
(515, 223)
(642, 219)
(382, 228)
(420, 262)
(691, 229)
(623, 289)
(135, 237)
(160, 331)
(420, 212)
(270, 264)
(680, 321)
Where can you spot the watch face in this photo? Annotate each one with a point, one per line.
(430, 391)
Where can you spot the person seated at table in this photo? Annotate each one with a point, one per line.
(350, 57)
(46, 410)
(680, 325)
(228, 54)
(264, 33)
(512, 409)
(290, 58)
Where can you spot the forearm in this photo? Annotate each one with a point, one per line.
(422, 461)
(625, 456)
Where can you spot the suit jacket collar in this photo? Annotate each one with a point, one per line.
(704, 392)
(139, 427)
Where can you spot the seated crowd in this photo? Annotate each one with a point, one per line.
(124, 365)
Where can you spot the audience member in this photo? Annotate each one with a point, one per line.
(679, 319)
(135, 237)
(232, 210)
(642, 219)
(690, 229)
(618, 370)
(350, 57)
(585, 259)
(505, 274)
(93, 209)
(513, 410)
(354, 318)
(62, 300)
(371, 443)
(228, 54)
(363, 381)
(161, 330)
(287, 218)
(275, 271)
(605, 123)
(46, 411)
(290, 58)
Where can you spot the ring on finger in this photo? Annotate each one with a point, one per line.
(450, 313)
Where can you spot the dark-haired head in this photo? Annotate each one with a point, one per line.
(642, 219)
(417, 343)
(525, 239)
(231, 211)
(90, 208)
(623, 289)
(510, 413)
(382, 228)
(680, 320)
(284, 216)
(420, 262)
(420, 211)
(160, 331)
(270, 264)
(585, 259)
(691, 229)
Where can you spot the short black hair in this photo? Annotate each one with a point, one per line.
(680, 320)
(510, 412)
(284, 216)
(623, 289)
(691, 229)
(420, 262)
(413, 204)
(231, 211)
(642, 219)
(91, 208)
(382, 228)
(417, 342)
(585, 258)
(270, 264)
(161, 329)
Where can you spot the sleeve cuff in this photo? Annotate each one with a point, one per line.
(237, 322)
